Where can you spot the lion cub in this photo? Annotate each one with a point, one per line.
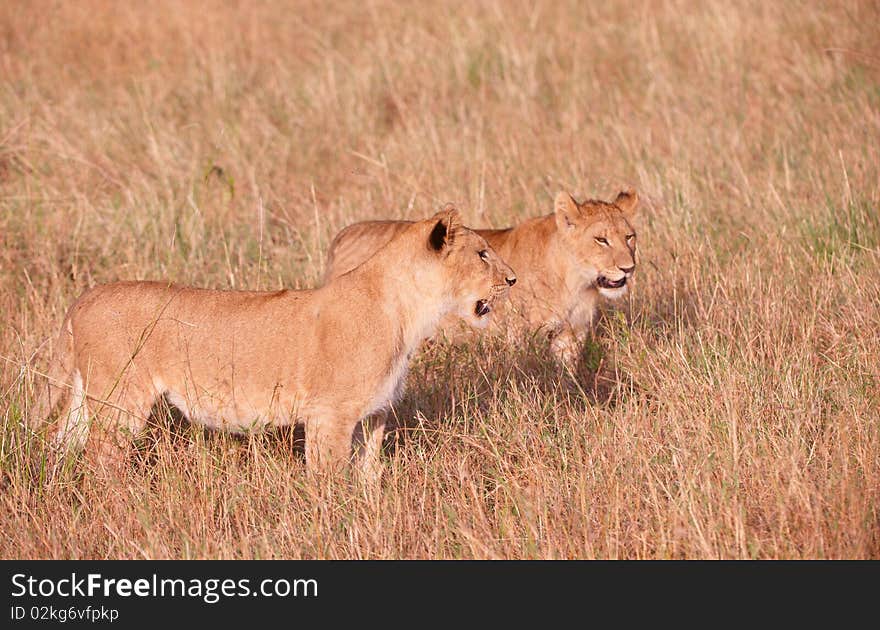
(566, 260)
(241, 360)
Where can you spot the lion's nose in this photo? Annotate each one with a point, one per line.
(511, 280)
(627, 270)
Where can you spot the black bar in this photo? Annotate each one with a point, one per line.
(512, 590)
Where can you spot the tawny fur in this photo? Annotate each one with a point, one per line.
(560, 263)
(240, 361)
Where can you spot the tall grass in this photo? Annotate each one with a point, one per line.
(731, 408)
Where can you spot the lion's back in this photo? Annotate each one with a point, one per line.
(354, 244)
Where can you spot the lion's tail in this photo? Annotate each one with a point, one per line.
(54, 387)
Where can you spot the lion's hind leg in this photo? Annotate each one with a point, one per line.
(73, 427)
(114, 431)
(104, 428)
(369, 436)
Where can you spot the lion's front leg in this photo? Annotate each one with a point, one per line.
(328, 443)
(571, 332)
(566, 346)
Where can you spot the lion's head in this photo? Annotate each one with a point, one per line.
(600, 238)
(475, 277)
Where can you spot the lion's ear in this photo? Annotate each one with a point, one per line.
(446, 225)
(627, 200)
(566, 210)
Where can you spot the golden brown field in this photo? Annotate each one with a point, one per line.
(729, 409)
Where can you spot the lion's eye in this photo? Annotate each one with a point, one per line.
(484, 255)
(630, 237)
(602, 241)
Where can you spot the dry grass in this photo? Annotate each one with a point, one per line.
(730, 409)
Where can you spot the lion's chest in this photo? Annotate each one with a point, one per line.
(391, 387)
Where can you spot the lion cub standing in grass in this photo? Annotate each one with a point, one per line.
(239, 360)
(566, 260)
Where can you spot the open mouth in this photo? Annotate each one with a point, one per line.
(482, 308)
(605, 283)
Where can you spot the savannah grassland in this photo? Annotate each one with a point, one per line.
(729, 408)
